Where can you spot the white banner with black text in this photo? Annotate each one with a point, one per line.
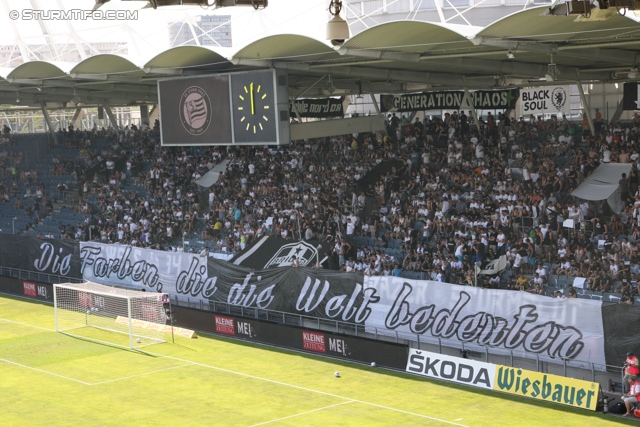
(503, 321)
(121, 265)
(544, 100)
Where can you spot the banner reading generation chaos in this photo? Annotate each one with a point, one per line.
(449, 100)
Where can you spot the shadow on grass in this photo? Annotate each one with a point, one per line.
(110, 345)
(181, 346)
(409, 377)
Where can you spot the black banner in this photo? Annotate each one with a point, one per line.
(631, 96)
(378, 171)
(27, 288)
(318, 342)
(269, 252)
(620, 332)
(312, 292)
(482, 99)
(49, 256)
(318, 108)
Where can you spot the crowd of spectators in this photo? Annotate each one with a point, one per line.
(458, 193)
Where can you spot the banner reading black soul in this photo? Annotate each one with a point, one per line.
(318, 107)
(482, 99)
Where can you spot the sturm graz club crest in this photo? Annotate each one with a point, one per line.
(195, 110)
(558, 98)
(304, 252)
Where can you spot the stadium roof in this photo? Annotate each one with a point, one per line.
(394, 57)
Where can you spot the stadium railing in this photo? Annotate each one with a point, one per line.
(36, 277)
(606, 375)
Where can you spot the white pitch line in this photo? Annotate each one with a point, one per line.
(26, 324)
(43, 371)
(312, 390)
(300, 414)
(267, 380)
(141, 374)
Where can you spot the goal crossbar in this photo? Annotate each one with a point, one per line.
(89, 306)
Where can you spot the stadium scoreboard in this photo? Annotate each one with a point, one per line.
(244, 108)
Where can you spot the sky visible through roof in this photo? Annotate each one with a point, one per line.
(149, 31)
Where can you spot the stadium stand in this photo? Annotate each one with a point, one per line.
(427, 199)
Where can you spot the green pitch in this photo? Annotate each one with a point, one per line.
(50, 379)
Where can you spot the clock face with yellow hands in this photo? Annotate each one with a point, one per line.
(253, 107)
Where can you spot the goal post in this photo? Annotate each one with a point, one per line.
(116, 316)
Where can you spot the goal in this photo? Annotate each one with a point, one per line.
(110, 315)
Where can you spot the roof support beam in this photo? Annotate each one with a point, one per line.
(509, 44)
(380, 54)
(112, 117)
(519, 69)
(486, 65)
(47, 119)
(585, 103)
(607, 54)
(144, 114)
(77, 115)
(385, 74)
(176, 72)
(107, 77)
(48, 87)
(618, 112)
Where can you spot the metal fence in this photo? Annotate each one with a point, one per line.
(16, 273)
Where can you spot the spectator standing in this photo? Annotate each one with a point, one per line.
(631, 367)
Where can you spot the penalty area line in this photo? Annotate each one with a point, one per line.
(301, 413)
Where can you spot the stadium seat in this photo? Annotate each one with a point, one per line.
(611, 297)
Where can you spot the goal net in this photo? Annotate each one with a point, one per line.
(111, 315)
